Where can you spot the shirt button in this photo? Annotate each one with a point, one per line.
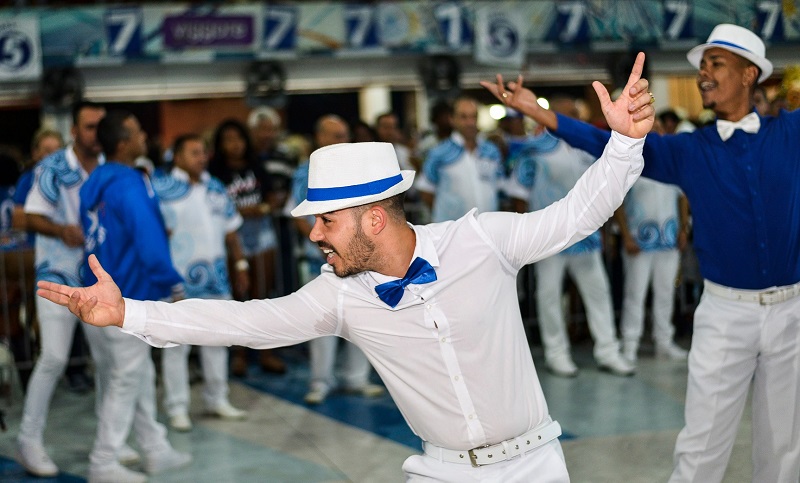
(428, 306)
(456, 378)
(471, 416)
(444, 339)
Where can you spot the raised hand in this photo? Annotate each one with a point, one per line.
(632, 114)
(101, 304)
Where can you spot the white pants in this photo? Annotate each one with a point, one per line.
(656, 268)
(733, 344)
(129, 399)
(542, 465)
(56, 330)
(323, 361)
(175, 370)
(590, 276)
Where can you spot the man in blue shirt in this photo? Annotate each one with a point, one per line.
(740, 176)
(122, 226)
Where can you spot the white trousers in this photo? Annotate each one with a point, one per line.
(736, 343)
(542, 465)
(657, 269)
(175, 372)
(323, 361)
(590, 276)
(129, 399)
(56, 330)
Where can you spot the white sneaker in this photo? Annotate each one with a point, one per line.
(128, 456)
(367, 390)
(671, 351)
(562, 366)
(617, 365)
(630, 352)
(35, 459)
(171, 459)
(317, 393)
(115, 473)
(180, 422)
(227, 411)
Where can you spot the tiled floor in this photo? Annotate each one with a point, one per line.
(615, 429)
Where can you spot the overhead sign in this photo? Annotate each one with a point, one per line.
(20, 49)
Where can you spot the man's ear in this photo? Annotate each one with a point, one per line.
(750, 76)
(376, 219)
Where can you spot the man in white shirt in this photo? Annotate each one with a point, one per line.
(458, 367)
(202, 222)
(462, 172)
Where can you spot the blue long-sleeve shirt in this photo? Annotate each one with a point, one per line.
(744, 194)
(122, 225)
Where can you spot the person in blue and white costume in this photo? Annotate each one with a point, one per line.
(544, 175)
(653, 224)
(122, 225)
(740, 176)
(458, 367)
(52, 210)
(462, 172)
(328, 130)
(202, 222)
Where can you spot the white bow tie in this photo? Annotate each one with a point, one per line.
(749, 123)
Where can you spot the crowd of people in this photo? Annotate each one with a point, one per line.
(214, 221)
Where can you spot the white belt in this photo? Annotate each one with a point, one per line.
(763, 297)
(496, 453)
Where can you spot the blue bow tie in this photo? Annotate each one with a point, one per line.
(418, 273)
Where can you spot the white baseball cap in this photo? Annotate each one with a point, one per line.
(352, 174)
(738, 40)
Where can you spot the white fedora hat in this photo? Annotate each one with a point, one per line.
(738, 40)
(352, 174)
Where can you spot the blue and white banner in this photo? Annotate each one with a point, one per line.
(500, 36)
(20, 49)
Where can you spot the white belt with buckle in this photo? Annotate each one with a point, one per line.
(496, 453)
(770, 296)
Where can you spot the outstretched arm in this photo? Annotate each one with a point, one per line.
(632, 114)
(101, 304)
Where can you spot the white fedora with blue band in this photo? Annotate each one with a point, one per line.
(738, 40)
(352, 174)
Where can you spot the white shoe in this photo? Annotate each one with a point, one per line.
(128, 456)
(171, 459)
(317, 393)
(226, 411)
(35, 459)
(617, 365)
(629, 352)
(671, 351)
(367, 390)
(180, 422)
(115, 473)
(562, 366)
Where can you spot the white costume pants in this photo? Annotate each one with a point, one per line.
(56, 330)
(656, 268)
(736, 343)
(542, 465)
(590, 276)
(323, 362)
(129, 399)
(175, 371)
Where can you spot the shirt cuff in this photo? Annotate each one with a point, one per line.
(135, 317)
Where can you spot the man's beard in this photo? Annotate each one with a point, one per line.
(360, 251)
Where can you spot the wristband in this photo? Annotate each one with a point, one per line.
(242, 265)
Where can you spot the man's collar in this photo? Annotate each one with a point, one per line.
(423, 249)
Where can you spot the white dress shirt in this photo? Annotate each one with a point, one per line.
(453, 353)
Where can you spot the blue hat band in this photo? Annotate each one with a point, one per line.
(729, 44)
(353, 191)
